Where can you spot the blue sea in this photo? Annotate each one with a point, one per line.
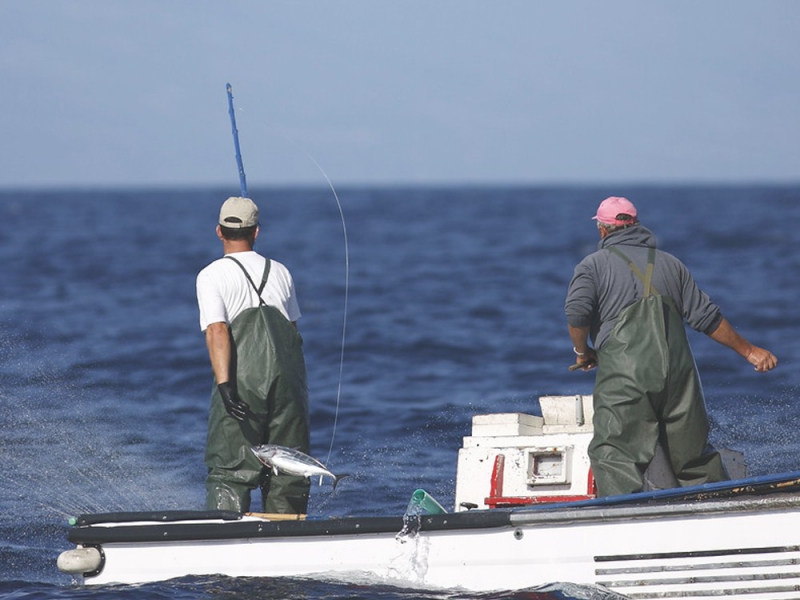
(449, 302)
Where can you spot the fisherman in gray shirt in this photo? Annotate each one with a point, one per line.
(632, 300)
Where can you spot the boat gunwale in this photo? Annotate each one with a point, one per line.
(216, 530)
(776, 502)
(248, 529)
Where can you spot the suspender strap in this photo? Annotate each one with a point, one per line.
(647, 277)
(264, 277)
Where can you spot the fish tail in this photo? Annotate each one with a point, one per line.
(336, 479)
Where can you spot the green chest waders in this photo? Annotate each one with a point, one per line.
(270, 375)
(647, 387)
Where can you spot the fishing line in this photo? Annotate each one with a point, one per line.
(346, 297)
(243, 182)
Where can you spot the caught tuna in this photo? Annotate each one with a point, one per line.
(293, 462)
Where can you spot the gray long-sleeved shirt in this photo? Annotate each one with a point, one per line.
(603, 285)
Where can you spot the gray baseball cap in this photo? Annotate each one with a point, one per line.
(238, 212)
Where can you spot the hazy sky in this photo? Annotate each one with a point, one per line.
(121, 92)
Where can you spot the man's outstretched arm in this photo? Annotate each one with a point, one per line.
(763, 360)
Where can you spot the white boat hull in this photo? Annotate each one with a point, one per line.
(748, 548)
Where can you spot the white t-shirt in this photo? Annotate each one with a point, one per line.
(223, 291)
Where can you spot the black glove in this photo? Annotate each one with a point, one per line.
(233, 404)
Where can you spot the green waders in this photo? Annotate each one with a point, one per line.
(647, 387)
(267, 359)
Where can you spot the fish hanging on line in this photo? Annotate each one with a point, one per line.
(293, 462)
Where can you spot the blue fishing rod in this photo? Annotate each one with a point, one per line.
(242, 178)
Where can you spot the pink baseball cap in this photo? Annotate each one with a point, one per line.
(614, 207)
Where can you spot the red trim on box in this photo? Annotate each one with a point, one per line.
(496, 498)
(496, 488)
(591, 486)
(498, 502)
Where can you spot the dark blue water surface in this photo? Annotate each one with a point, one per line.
(455, 308)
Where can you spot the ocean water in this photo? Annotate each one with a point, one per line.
(455, 307)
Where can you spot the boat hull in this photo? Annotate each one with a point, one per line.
(746, 547)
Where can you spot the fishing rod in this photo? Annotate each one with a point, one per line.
(242, 178)
(243, 182)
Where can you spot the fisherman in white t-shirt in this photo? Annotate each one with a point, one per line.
(248, 312)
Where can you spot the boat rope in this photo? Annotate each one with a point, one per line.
(243, 183)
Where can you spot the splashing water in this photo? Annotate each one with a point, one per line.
(64, 454)
(412, 522)
(421, 503)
